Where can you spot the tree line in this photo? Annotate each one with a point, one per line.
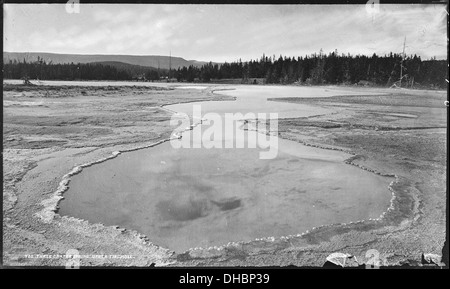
(42, 70)
(329, 68)
(315, 69)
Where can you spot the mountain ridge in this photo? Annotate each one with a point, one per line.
(155, 61)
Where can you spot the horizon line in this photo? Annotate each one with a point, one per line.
(207, 61)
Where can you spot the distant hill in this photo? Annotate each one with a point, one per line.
(141, 60)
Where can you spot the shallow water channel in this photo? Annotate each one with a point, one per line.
(198, 197)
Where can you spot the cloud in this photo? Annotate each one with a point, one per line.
(226, 32)
(205, 41)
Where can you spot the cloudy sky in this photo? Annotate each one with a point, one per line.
(225, 32)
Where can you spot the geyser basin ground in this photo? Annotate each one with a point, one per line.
(197, 197)
(44, 142)
(186, 198)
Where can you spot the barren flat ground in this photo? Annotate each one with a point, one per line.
(50, 130)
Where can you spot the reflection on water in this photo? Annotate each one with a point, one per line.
(204, 197)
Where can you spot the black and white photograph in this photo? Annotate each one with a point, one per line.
(195, 135)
